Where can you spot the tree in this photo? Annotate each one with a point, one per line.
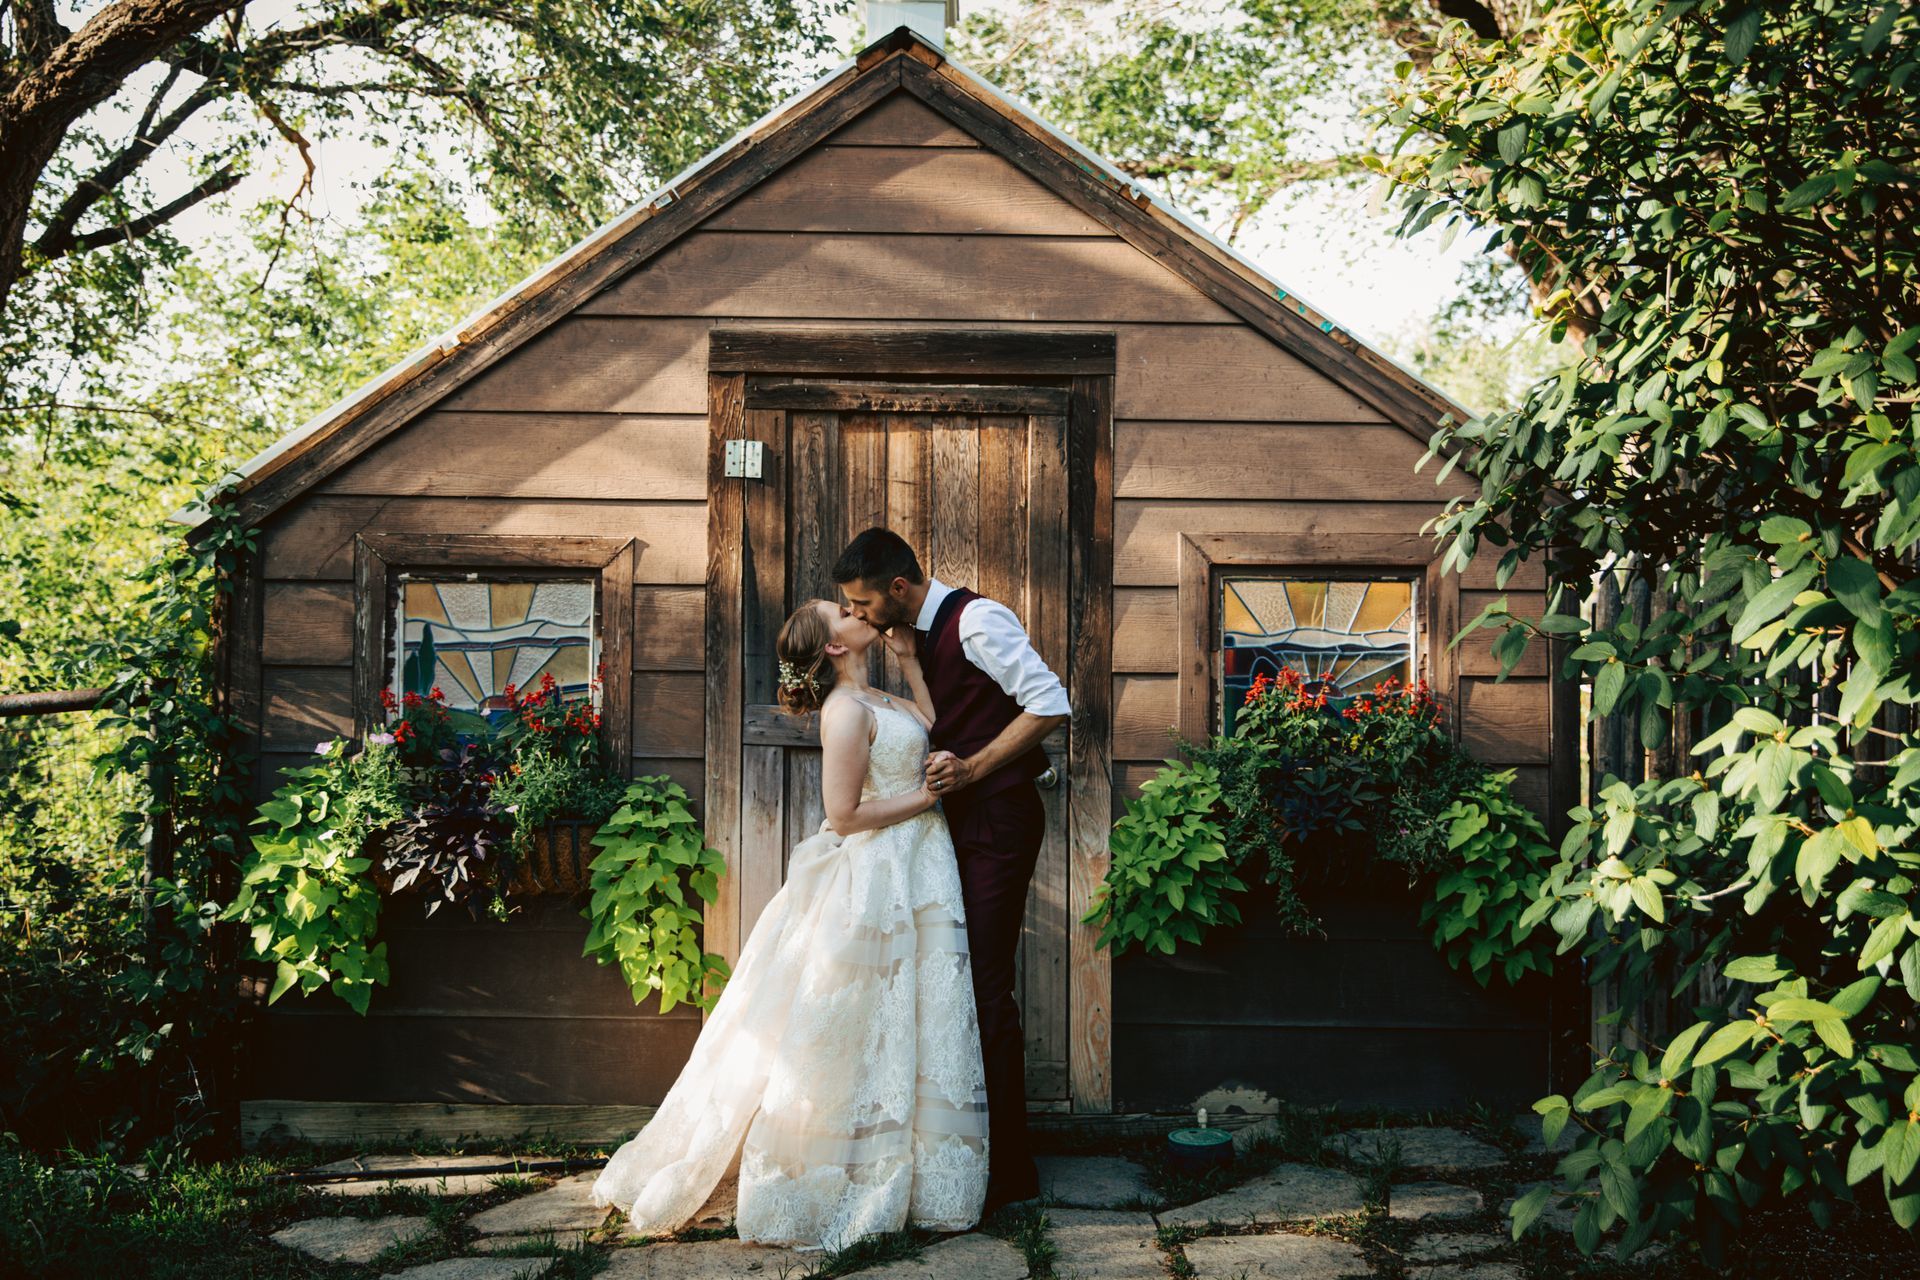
(575, 104)
(1720, 197)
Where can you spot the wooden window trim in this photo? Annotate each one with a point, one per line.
(610, 561)
(1316, 553)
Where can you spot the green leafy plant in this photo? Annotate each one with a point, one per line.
(1716, 201)
(557, 766)
(1304, 776)
(304, 896)
(1484, 911)
(1170, 870)
(649, 880)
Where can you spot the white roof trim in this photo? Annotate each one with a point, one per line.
(193, 515)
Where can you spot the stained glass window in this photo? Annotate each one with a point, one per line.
(474, 638)
(1347, 635)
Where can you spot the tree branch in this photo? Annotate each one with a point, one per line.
(58, 237)
(213, 184)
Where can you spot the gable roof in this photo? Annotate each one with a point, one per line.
(900, 61)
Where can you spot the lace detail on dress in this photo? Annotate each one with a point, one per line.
(842, 1063)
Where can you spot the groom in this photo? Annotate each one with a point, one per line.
(994, 700)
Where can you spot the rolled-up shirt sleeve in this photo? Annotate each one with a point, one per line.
(995, 642)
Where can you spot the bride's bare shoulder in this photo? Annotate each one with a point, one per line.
(842, 716)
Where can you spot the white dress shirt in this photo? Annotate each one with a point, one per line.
(994, 641)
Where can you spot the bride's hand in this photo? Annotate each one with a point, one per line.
(900, 643)
(928, 796)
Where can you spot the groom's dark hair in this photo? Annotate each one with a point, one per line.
(877, 556)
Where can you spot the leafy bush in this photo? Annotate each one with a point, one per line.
(653, 864)
(1484, 911)
(1716, 199)
(1299, 777)
(1170, 870)
(304, 897)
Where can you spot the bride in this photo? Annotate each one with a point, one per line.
(841, 1066)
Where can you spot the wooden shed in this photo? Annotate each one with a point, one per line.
(933, 311)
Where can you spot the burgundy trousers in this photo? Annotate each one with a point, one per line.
(996, 839)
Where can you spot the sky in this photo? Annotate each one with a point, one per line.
(1326, 247)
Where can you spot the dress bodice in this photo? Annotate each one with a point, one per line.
(897, 757)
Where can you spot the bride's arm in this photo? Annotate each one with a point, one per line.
(843, 771)
(908, 657)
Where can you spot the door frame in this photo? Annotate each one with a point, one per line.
(1080, 363)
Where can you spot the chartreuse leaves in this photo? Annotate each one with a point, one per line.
(652, 855)
(308, 907)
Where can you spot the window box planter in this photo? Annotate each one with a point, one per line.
(557, 866)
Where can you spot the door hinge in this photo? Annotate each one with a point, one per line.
(744, 457)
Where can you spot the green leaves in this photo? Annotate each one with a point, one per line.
(1170, 875)
(1771, 603)
(652, 857)
(1743, 28)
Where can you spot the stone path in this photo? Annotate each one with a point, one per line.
(1104, 1222)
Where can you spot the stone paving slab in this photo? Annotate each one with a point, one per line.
(972, 1257)
(1094, 1182)
(1101, 1244)
(374, 1164)
(709, 1260)
(1469, 1271)
(465, 1184)
(1247, 1136)
(1527, 1124)
(1553, 1218)
(1432, 1202)
(565, 1206)
(558, 1239)
(475, 1269)
(1443, 1150)
(1451, 1248)
(1287, 1193)
(356, 1240)
(1294, 1257)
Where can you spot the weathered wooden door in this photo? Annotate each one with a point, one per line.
(974, 477)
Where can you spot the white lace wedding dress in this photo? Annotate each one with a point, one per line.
(841, 1065)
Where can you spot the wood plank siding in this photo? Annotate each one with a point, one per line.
(598, 427)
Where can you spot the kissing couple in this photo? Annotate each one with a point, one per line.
(863, 1070)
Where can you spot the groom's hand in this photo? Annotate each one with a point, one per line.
(948, 773)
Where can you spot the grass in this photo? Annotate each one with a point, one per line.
(1025, 1227)
(895, 1246)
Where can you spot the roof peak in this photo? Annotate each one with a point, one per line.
(902, 60)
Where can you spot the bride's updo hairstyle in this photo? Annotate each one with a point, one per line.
(806, 673)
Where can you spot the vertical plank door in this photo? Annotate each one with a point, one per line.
(975, 479)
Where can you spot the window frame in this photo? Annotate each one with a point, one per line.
(1205, 558)
(379, 560)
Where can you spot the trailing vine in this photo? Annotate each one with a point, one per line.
(1306, 790)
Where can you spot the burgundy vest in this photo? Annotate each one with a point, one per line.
(970, 706)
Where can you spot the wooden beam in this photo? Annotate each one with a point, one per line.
(912, 397)
(1090, 677)
(726, 526)
(929, 352)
